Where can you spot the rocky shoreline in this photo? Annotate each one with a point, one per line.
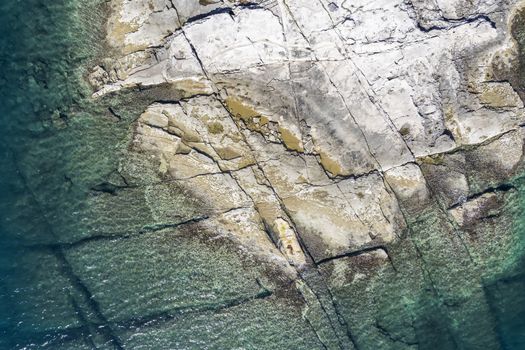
(288, 174)
(327, 140)
(363, 152)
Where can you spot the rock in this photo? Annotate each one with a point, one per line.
(366, 98)
(476, 209)
(446, 177)
(495, 162)
(317, 103)
(410, 187)
(343, 153)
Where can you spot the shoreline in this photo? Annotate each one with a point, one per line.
(251, 196)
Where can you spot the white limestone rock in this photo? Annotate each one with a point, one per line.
(409, 185)
(321, 119)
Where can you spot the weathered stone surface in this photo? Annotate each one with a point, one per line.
(357, 151)
(409, 186)
(472, 211)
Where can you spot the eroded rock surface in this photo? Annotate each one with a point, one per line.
(337, 143)
(329, 107)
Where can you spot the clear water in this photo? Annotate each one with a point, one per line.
(55, 147)
(45, 163)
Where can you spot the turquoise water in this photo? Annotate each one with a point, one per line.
(506, 292)
(56, 293)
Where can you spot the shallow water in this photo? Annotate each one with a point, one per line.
(56, 293)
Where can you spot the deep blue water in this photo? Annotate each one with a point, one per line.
(41, 46)
(52, 151)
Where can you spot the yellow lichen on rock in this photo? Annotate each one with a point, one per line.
(451, 123)
(240, 110)
(118, 29)
(331, 165)
(254, 121)
(215, 128)
(291, 141)
(192, 87)
(499, 96)
(247, 161)
(263, 121)
(207, 2)
(435, 159)
(228, 153)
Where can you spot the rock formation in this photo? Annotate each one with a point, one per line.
(356, 154)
